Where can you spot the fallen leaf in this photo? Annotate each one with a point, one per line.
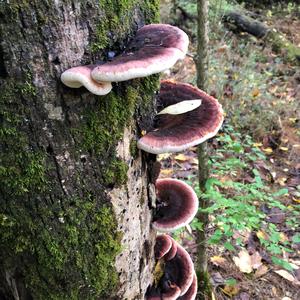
(255, 92)
(281, 181)
(166, 171)
(181, 107)
(256, 260)
(262, 270)
(230, 290)
(286, 275)
(262, 235)
(257, 144)
(218, 260)
(181, 157)
(268, 150)
(284, 148)
(243, 261)
(283, 237)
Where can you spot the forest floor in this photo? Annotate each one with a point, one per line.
(254, 231)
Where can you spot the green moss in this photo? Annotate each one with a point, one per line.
(118, 110)
(22, 169)
(115, 173)
(75, 260)
(133, 148)
(116, 22)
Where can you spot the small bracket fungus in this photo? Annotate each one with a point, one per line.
(192, 291)
(178, 275)
(81, 76)
(165, 247)
(176, 204)
(163, 244)
(155, 48)
(177, 132)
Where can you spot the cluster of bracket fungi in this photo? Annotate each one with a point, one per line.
(186, 117)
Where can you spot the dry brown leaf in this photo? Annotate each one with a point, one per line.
(230, 290)
(262, 235)
(243, 261)
(268, 150)
(285, 274)
(261, 271)
(218, 260)
(166, 171)
(256, 260)
(181, 157)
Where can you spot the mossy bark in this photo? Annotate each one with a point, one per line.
(72, 222)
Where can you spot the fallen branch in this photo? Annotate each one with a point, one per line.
(237, 21)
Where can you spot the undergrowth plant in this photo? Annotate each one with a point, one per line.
(238, 195)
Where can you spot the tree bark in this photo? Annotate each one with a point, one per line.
(202, 70)
(74, 211)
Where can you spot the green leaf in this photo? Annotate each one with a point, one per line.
(282, 263)
(228, 246)
(230, 281)
(281, 192)
(296, 238)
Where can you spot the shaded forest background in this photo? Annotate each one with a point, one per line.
(254, 189)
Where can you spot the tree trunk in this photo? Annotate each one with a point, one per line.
(202, 70)
(74, 214)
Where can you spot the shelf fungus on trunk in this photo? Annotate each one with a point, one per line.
(155, 48)
(77, 77)
(165, 247)
(176, 204)
(177, 132)
(177, 277)
(192, 291)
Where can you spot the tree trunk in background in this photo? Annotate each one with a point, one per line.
(74, 214)
(202, 69)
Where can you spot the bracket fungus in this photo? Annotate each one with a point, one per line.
(177, 204)
(165, 247)
(177, 132)
(192, 291)
(155, 48)
(178, 277)
(81, 76)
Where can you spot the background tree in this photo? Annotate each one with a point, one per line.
(202, 66)
(74, 215)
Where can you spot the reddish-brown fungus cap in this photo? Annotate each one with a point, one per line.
(173, 133)
(177, 204)
(177, 279)
(163, 244)
(180, 270)
(155, 48)
(169, 292)
(192, 291)
(165, 247)
(172, 252)
(81, 76)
